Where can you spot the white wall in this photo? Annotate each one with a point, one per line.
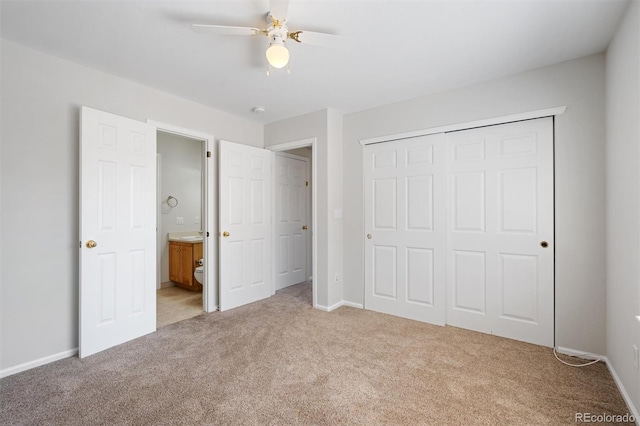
(623, 200)
(335, 180)
(181, 177)
(41, 97)
(326, 127)
(579, 178)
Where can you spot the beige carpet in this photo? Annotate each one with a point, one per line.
(279, 361)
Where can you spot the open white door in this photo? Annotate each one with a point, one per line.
(117, 230)
(245, 224)
(291, 227)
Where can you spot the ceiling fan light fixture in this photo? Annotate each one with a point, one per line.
(277, 53)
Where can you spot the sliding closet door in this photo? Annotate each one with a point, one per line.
(500, 237)
(405, 230)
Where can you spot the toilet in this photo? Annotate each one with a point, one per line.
(198, 274)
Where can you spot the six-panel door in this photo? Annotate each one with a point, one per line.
(245, 224)
(500, 211)
(405, 228)
(290, 220)
(459, 229)
(117, 212)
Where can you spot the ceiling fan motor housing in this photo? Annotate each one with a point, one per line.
(277, 34)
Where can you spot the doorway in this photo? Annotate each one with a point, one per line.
(180, 186)
(292, 206)
(301, 149)
(207, 229)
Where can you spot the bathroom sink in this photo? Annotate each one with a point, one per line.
(191, 238)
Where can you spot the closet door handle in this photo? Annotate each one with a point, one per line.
(225, 234)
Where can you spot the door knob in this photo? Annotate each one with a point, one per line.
(91, 244)
(369, 236)
(305, 227)
(225, 234)
(544, 244)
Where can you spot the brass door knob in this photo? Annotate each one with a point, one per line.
(91, 244)
(544, 244)
(305, 227)
(225, 234)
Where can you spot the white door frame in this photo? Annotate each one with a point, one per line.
(210, 220)
(465, 125)
(301, 143)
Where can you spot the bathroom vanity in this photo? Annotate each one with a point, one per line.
(183, 261)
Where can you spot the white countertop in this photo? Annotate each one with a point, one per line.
(185, 237)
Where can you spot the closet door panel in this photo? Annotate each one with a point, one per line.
(405, 228)
(500, 277)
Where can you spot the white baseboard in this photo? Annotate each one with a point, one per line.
(37, 363)
(623, 391)
(322, 308)
(329, 308)
(579, 354)
(337, 305)
(585, 355)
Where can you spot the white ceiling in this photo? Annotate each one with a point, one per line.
(405, 49)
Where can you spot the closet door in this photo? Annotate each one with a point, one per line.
(500, 236)
(405, 230)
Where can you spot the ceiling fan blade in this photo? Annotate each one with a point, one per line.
(278, 9)
(224, 29)
(325, 40)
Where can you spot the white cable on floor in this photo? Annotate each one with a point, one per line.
(577, 365)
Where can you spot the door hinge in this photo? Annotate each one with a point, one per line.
(306, 183)
(208, 154)
(207, 233)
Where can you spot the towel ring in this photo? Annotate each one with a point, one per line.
(172, 201)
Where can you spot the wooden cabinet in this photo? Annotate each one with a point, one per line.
(183, 261)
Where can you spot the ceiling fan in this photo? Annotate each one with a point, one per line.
(278, 33)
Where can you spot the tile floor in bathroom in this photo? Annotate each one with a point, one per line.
(175, 304)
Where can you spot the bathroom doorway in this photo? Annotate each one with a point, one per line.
(180, 165)
(187, 224)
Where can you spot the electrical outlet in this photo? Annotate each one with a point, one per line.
(337, 277)
(196, 220)
(179, 220)
(636, 357)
